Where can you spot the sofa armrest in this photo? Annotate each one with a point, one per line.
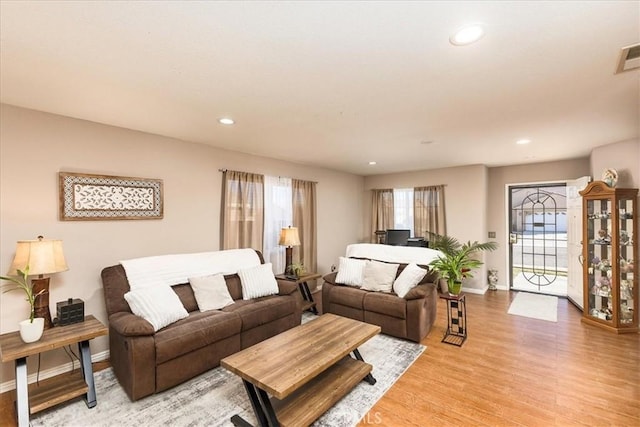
(420, 291)
(286, 287)
(331, 278)
(130, 325)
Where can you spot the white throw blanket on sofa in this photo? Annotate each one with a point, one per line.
(175, 269)
(388, 253)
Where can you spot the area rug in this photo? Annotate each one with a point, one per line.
(213, 397)
(543, 307)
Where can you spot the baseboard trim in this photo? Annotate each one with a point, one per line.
(52, 372)
(476, 290)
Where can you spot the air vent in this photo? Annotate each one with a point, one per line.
(629, 58)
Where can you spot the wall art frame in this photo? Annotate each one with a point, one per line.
(89, 197)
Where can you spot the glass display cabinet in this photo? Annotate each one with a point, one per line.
(610, 248)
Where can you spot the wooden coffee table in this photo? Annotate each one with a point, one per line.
(306, 370)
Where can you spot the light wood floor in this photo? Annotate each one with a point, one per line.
(511, 371)
(517, 371)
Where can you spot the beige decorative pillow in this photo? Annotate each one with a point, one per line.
(379, 276)
(158, 305)
(211, 292)
(258, 281)
(350, 271)
(408, 279)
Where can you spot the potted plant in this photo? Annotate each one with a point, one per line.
(297, 269)
(30, 329)
(457, 259)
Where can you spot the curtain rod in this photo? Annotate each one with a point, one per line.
(297, 179)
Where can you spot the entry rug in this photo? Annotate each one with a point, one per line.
(543, 307)
(213, 397)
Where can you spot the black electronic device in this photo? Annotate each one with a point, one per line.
(70, 311)
(397, 237)
(418, 241)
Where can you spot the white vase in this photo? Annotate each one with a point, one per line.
(31, 331)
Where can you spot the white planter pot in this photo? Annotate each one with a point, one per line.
(31, 332)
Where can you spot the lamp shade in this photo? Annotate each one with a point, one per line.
(289, 237)
(42, 256)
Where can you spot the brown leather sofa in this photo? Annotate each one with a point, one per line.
(410, 317)
(146, 362)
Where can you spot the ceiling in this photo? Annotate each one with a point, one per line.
(335, 84)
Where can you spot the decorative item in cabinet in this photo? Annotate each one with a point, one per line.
(609, 248)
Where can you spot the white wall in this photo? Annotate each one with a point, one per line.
(35, 146)
(621, 156)
(465, 202)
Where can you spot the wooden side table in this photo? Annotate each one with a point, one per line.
(303, 285)
(65, 387)
(456, 332)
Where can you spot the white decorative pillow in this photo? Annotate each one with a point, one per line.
(211, 292)
(408, 279)
(350, 271)
(258, 281)
(379, 276)
(158, 305)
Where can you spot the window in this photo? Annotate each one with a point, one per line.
(257, 207)
(403, 209)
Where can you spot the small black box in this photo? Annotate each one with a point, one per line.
(70, 311)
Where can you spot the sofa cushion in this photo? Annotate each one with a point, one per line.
(211, 292)
(261, 310)
(379, 276)
(348, 296)
(185, 293)
(194, 332)
(258, 281)
(350, 271)
(387, 304)
(158, 305)
(408, 279)
(234, 286)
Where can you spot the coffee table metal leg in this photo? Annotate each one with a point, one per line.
(22, 392)
(267, 408)
(369, 378)
(262, 408)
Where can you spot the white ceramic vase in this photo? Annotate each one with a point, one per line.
(31, 331)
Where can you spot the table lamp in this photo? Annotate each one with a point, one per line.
(289, 238)
(43, 257)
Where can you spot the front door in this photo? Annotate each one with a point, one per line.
(538, 238)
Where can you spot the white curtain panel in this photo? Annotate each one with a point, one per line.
(403, 209)
(278, 213)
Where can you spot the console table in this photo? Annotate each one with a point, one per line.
(64, 387)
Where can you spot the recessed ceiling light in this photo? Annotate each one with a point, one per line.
(523, 141)
(372, 163)
(467, 35)
(226, 121)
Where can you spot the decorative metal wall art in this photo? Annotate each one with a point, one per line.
(85, 197)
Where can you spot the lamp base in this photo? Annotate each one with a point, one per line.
(41, 304)
(288, 259)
